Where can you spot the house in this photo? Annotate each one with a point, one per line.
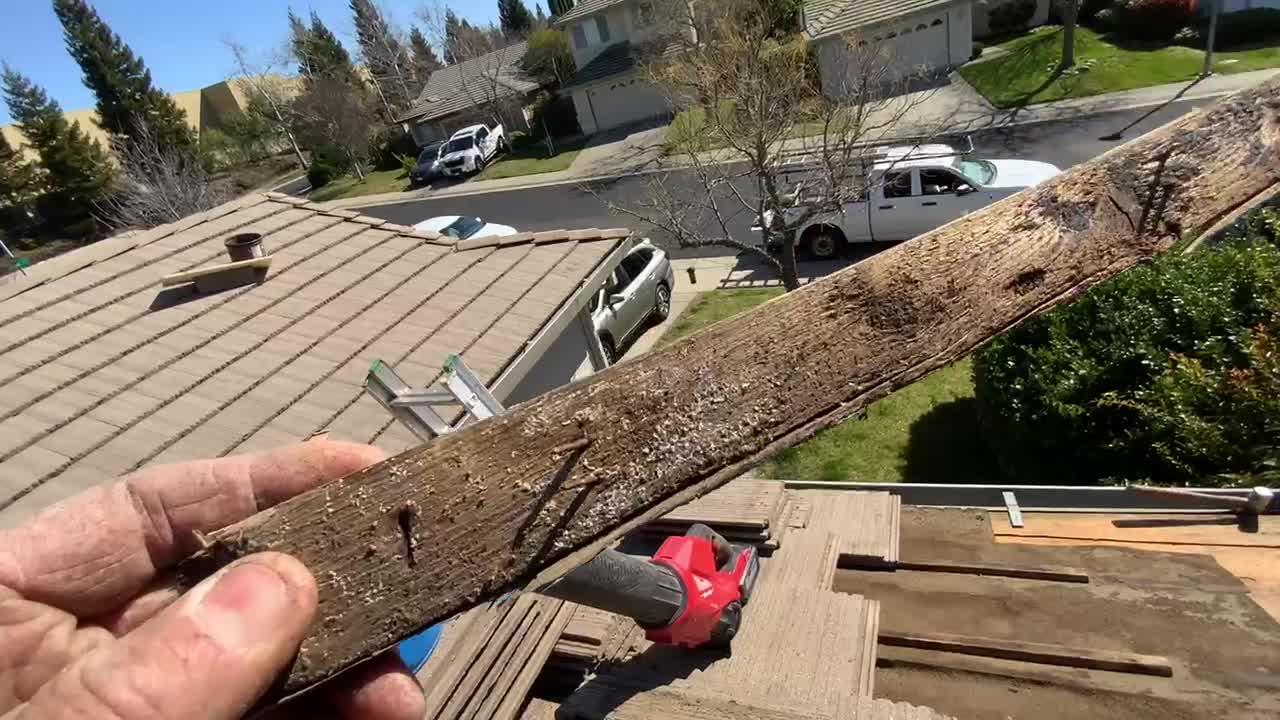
(210, 107)
(102, 370)
(472, 91)
(607, 37)
(919, 37)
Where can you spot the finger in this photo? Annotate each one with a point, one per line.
(90, 553)
(210, 655)
(381, 689)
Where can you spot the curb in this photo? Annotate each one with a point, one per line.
(355, 202)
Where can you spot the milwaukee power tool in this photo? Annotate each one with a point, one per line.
(690, 593)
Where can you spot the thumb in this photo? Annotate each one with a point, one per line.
(209, 655)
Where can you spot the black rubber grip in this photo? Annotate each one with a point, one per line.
(650, 594)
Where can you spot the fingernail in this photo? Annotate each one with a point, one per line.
(246, 606)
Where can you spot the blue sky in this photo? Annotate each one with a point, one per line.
(180, 40)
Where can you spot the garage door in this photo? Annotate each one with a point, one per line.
(623, 104)
(922, 44)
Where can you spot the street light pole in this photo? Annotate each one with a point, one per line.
(1214, 6)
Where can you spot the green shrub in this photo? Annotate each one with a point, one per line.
(1011, 16)
(1152, 20)
(1243, 28)
(327, 163)
(1159, 374)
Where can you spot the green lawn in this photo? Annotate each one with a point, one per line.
(1028, 73)
(714, 306)
(925, 432)
(378, 181)
(532, 160)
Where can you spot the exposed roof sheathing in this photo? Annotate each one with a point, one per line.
(102, 370)
(830, 17)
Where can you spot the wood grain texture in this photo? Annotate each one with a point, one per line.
(1032, 652)
(492, 508)
(1051, 574)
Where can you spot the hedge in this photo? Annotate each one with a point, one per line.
(1168, 373)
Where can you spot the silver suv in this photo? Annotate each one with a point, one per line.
(637, 290)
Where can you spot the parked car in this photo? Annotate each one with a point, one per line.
(638, 289)
(428, 165)
(912, 190)
(461, 227)
(471, 148)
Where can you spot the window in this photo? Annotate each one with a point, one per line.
(642, 13)
(481, 134)
(979, 172)
(463, 228)
(579, 36)
(934, 181)
(634, 264)
(460, 144)
(602, 27)
(897, 184)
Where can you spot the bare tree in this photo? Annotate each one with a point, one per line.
(157, 183)
(386, 59)
(775, 145)
(333, 113)
(271, 88)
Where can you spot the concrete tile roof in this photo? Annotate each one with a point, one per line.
(585, 8)
(617, 58)
(472, 82)
(102, 370)
(830, 17)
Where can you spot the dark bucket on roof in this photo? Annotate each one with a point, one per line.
(245, 246)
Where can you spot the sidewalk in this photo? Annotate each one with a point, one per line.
(951, 109)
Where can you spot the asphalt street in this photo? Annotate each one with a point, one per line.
(1063, 143)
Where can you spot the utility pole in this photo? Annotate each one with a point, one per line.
(1214, 7)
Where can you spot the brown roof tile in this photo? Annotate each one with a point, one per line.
(101, 372)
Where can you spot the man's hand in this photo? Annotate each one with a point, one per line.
(89, 628)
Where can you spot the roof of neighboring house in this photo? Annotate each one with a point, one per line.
(585, 8)
(462, 85)
(830, 17)
(102, 370)
(617, 58)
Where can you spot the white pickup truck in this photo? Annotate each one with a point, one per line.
(912, 190)
(471, 148)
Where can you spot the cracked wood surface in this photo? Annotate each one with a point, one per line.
(438, 529)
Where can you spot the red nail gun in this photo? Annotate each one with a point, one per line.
(690, 594)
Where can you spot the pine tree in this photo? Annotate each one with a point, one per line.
(384, 55)
(119, 80)
(541, 17)
(515, 19)
(19, 185)
(76, 170)
(559, 7)
(425, 60)
(453, 32)
(328, 57)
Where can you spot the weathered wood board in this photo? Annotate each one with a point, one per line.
(520, 499)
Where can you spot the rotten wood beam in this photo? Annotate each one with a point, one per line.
(440, 528)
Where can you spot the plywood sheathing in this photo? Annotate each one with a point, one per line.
(1235, 548)
(812, 650)
(671, 704)
(802, 646)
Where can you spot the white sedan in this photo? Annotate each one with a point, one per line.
(461, 227)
